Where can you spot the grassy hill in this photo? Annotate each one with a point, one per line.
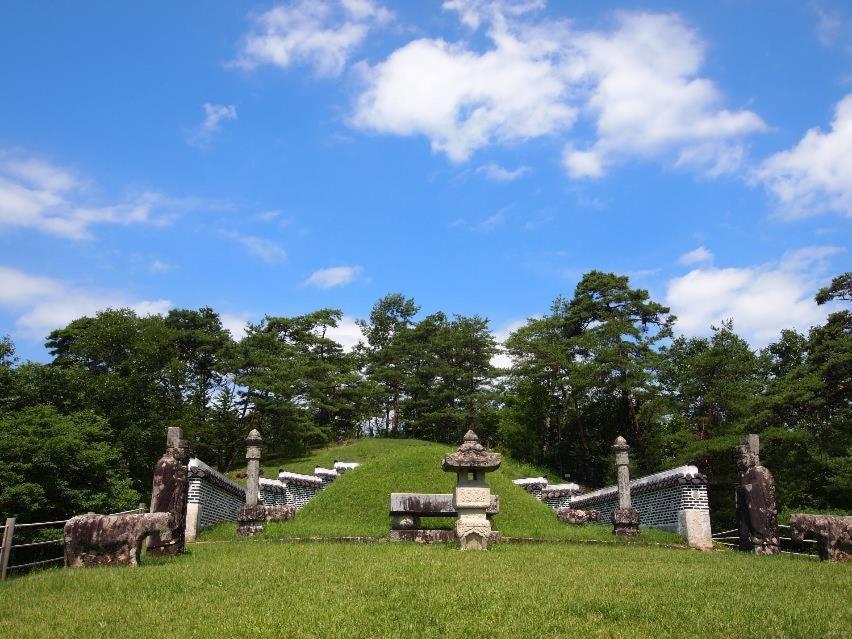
(268, 588)
(356, 504)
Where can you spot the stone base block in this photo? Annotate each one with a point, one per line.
(625, 522)
(251, 520)
(434, 536)
(694, 526)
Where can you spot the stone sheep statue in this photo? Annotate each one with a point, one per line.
(110, 540)
(833, 533)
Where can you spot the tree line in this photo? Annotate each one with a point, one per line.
(83, 431)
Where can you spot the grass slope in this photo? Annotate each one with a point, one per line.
(356, 504)
(307, 590)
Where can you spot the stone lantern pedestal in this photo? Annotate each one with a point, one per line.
(472, 494)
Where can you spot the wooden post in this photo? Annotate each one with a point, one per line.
(8, 531)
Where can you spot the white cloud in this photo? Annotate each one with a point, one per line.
(815, 176)
(42, 304)
(235, 324)
(492, 221)
(266, 250)
(501, 174)
(762, 300)
(320, 33)
(649, 101)
(463, 100)
(214, 115)
(38, 195)
(696, 256)
(638, 82)
(502, 359)
(347, 333)
(333, 276)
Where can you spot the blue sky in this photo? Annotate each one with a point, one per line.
(478, 156)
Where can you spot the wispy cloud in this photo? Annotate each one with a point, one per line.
(761, 299)
(500, 174)
(333, 276)
(260, 247)
(321, 33)
(815, 176)
(214, 115)
(696, 256)
(42, 304)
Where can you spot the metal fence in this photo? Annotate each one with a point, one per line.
(804, 548)
(41, 548)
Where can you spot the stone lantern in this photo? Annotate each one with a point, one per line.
(472, 494)
(253, 515)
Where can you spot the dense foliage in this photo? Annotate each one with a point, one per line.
(600, 363)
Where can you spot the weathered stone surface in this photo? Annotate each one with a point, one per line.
(280, 513)
(757, 513)
(576, 516)
(110, 540)
(471, 455)
(625, 522)
(405, 522)
(694, 526)
(833, 534)
(251, 519)
(432, 504)
(169, 494)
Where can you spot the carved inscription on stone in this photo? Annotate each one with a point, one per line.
(471, 497)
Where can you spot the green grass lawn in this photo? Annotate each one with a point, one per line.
(308, 590)
(356, 504)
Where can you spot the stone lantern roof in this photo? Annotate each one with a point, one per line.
(471, 455)
(254, 438)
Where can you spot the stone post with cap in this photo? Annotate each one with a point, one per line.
(253, 515)
(625, 519)
(472, 494)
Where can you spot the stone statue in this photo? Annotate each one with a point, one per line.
(833, 533)
(169, 495)
(757, 513)
(110, 540)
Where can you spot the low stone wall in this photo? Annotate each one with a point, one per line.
(214, 498)
(659, 498)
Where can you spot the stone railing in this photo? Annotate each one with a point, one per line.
(659, 498)
(215, 498)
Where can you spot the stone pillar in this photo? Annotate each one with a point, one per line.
(253, 514)
(757, 512)
(169, 494)
(625, 519)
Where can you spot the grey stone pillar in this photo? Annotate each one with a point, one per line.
(253, 514)
(253, 444)
(625, 519)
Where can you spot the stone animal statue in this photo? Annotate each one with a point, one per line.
(757, 513)
(833, 533)
(110, 540)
